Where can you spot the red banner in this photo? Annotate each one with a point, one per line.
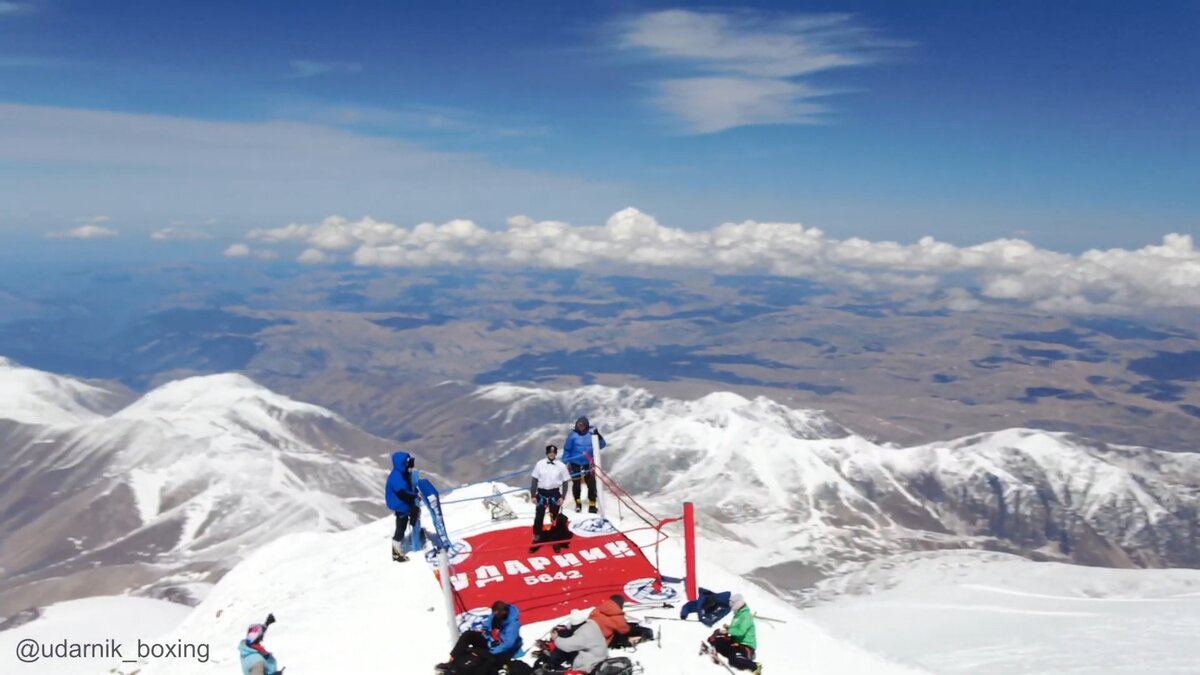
(597, 563)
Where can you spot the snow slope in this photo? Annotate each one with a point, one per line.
(344, 607)
(996, 614)
(34, 397)
(123, 619)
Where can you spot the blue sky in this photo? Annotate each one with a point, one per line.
(1072, 124)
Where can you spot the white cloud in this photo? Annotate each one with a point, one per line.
(93, 219)
(1000, 270)
(89, 231)
(7, 7)
(745, 65)
(711, 104)
(178, 234)
(302, 68)
(314, 256)
(244, 251)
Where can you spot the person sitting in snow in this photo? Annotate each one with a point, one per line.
(736, 641)
(582, 645)
(401, 496)
(577, 453)
(546, 488)
(504, 632)
(485, 653)
(618, 632)
(256, 660)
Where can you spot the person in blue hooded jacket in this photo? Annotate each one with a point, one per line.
(577, 453)
(485, 652)
(401, 496)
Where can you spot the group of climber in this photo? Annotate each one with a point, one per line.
(548, 487)
(549, 480)
(579, 646)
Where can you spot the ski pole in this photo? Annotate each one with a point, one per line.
(767, 618)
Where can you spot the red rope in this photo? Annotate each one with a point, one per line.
(653, 522)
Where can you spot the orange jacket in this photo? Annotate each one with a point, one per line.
(611, 619)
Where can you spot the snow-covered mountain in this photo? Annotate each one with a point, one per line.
(170, 491)
(809, 495)
(343, 607)
(31, 396)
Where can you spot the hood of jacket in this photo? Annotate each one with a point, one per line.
(400, 461)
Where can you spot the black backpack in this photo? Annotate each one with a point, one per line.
(618, 665)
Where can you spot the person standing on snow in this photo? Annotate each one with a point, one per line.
(546, 489)
(577, 453)
(737, 640)
(256, 660)
(401, 496)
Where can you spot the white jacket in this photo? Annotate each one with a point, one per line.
(589, 642)
(551, 476)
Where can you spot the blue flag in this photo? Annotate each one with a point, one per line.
(433, 505)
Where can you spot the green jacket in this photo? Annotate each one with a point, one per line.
(742, 628)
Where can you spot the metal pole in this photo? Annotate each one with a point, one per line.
(415, 543)
(448, 593)
(596, 477)
(689, 548)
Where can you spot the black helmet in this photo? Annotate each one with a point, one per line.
(551, 448)
(583, 421)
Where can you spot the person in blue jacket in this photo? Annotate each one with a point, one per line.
(401, 496)
(256, 660)
(504, 632)
(577, 453)
(486, 652)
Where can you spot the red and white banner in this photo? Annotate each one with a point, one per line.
(597, 563)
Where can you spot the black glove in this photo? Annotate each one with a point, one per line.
(270, 620)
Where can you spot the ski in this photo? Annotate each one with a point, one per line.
(707, 650)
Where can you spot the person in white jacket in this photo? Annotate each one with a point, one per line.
(586, 645)
(548, 484)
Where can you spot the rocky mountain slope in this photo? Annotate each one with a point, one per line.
(166, 493)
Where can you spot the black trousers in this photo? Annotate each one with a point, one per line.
(739, 655)
(546, 499)
(557, 658)
(401, 525)
(587, 477)
(622, 640)
(471, 656)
